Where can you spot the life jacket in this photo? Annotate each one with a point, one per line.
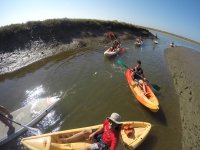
(129, 129)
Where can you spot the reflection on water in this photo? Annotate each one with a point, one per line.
(33, 95)
(49, 120)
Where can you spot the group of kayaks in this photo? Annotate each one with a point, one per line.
(132, 133)
(150, 100)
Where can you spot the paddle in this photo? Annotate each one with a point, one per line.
(34, 131)
(123, 50)
(154, 86)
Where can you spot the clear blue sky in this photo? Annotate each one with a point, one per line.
(181, 17)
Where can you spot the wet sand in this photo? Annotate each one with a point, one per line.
(13, 61)
(184, 67)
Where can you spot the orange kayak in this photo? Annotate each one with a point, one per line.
(149, 100)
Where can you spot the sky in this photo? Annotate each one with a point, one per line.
(181, 17)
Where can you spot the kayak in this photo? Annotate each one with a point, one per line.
(27, 115)
(132, 134)
(139, 43)
(155, 42)
(112, 53)
(149, 100)
(172, 45)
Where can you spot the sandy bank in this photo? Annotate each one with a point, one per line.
(184, 66)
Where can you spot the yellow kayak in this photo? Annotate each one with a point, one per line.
(132, 135)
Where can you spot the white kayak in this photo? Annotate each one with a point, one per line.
(108, 52)
(28, 116)
(155, 42)
(172, 45)
(138, 43)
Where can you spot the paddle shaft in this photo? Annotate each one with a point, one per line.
(155, 87)
(133, 71)
(13, 121)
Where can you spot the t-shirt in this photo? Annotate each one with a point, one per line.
(109, 136)
(138, 73)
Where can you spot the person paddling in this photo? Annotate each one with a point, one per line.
(4, 112)
(138, 76)
(116, 44)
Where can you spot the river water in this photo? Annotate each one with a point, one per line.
(92, 86)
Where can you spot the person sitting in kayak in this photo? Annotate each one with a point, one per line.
(137, 71)
(3, 113)
(104, 138)
(138, 76)
(111, 49)
(172, 44)
(116, 44)
(142, 85)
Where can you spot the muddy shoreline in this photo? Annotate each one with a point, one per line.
(13, 61)
(184, 67)
(24, 44)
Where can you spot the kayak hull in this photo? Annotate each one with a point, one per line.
(111, 53)
(150, 101)
(139, 43)
(51, 141)
(28, 116)
(155, 42)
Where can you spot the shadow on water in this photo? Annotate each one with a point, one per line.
(149, 143)
(158, 116)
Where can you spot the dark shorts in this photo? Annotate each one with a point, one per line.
(102, 146)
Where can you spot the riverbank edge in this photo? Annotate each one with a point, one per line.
(25, 44)
(184, 65)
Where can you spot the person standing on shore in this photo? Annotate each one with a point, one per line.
(3, 113)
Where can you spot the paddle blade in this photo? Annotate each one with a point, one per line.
(156, 87)
(121, 63)
(123, 50)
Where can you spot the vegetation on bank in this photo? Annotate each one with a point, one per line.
(19, 36)
(54, 22)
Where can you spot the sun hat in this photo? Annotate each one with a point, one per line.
(115, 117)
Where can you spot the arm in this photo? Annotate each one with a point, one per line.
(100, 130)
(4, 110)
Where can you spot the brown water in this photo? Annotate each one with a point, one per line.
(91, 87)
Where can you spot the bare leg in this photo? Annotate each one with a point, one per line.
(144, 89)
(77, 137)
